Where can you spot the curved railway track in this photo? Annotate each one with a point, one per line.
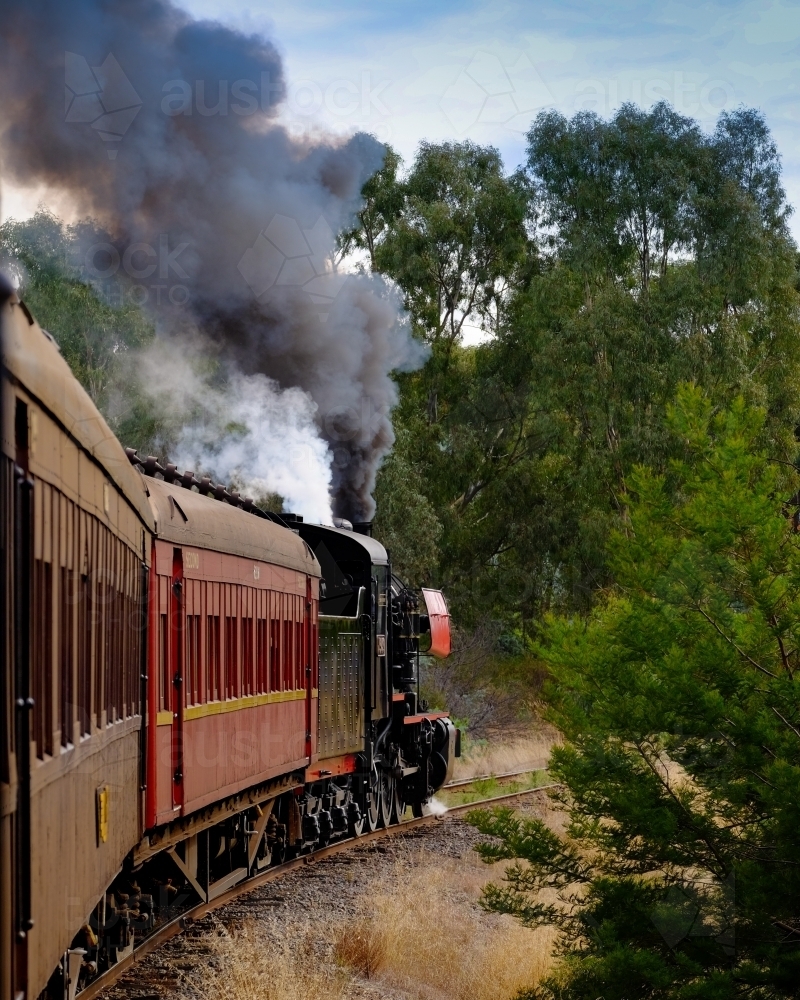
(184, 920)
(503, 776)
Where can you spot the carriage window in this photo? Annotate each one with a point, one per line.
(21, 434)
(66, 630)
(99, 625)
(288, 658)
(193, 659)
(299, 656)
(214, 678)
(275, 655)
(85, 614)
(262, 656)
(163, 645)
(114, 663)
(231, 643)
(247, 656)
(42, 659)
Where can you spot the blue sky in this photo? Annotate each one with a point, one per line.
(409, 70)
(416, 70)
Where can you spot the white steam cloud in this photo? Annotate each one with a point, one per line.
(435, 807)
(264, 439)
(242, 430)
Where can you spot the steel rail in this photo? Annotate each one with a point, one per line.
(184, 920)
(485, 777)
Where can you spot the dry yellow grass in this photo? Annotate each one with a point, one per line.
(360, 949)
(424, 938)
(247, 964)
(420, 936)
(528, 751)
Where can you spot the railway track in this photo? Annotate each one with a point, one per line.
(184, 920)
(504, 775)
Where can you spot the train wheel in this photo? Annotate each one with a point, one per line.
(398, 802)
(372, 813)
(386, 797)
(357, 820)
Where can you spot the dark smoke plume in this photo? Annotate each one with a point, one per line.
(163, 129)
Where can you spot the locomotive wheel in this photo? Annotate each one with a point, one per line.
(386, 797)
(398, 802)
(356, 827)
(372, 813)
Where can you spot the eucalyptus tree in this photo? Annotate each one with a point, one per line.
(665, 258)
(630, 255)
(99, 330)
(459, 242)
(91, 332)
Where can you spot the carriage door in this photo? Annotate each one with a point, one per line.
(176, 659)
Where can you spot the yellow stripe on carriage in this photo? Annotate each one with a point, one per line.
(234, 705)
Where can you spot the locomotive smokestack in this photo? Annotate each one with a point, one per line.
(225, 223)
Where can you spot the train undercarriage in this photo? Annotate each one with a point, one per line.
(199, 859)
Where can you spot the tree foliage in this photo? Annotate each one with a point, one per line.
(91, 334)
(456, 240)
(99, 334)
(630, 256)
(406, 521)
(547, 471)
(678, 700)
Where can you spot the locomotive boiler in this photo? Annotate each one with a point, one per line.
(191, 689)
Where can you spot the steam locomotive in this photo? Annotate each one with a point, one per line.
(191, 689)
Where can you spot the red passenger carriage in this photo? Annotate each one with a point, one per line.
(234, 687)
